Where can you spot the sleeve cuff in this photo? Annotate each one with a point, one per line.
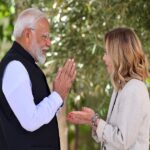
(100, 129)
(57, 98)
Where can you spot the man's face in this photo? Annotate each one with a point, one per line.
(40, 40)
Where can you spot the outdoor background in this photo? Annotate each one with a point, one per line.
(77, 31)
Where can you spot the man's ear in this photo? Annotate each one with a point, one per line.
(27, 33)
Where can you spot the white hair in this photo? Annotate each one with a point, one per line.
(27, 19)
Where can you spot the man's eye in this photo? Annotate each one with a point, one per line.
(45, 37)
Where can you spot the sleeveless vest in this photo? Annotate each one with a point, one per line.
(12, 135)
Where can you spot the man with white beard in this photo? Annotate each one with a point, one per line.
(27, 107)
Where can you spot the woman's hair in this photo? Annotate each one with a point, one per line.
(128, 59)
(27, 19)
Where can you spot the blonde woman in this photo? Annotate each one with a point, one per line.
(127, 124)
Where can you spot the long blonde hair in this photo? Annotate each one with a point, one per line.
(128, 59)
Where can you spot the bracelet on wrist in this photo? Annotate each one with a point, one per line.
(94, 120)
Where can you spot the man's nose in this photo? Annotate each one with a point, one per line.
(48, 42)
(104, 57)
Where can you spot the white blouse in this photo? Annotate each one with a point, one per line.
(128, 126)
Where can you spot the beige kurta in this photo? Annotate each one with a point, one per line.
(127, 127)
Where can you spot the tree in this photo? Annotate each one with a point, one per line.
(77, 30)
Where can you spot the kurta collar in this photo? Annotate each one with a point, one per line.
(16, 47)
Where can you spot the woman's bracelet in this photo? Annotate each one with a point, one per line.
(94, 120)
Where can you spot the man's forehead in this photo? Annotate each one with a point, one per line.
(43, 22)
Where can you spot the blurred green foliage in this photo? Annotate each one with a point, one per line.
(77, 30)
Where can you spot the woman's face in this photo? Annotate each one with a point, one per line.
(108, 61)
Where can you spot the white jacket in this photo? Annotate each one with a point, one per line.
(127, 127)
